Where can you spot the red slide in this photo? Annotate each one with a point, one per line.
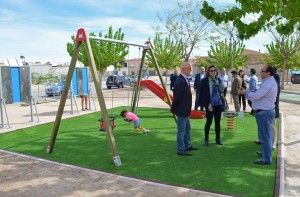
(159, 91)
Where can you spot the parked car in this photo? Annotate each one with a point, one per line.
(115, 81)
(55, 89)
(133, 79)
(126, 80)
(295, 78)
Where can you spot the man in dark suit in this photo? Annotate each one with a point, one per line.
(277, 79)
(198, 78)
(173, 78)
(181, 107)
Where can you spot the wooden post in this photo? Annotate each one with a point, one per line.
(98, 84)
(63, 98)
(137, 88)
(82, 36)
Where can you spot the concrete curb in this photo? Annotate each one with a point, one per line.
(287, 100)
(282, 157)
(291, 92)
(279, 184)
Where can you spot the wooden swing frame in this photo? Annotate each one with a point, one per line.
(81, 37)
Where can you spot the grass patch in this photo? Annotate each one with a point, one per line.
(225, 169)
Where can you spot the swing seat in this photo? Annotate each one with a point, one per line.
(197, 114)
(102, 124)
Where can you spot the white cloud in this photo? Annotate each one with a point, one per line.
(125, 23)
(43, 37)
(38, 43)
(258, 42)
(35, 43)
(149, 5)
(136, 31)
(6, 15)
(251, 17)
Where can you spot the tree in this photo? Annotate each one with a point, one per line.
(50, 78)
(295, 61)
(219, 55)
(167, 53)
(284, 53)
(37, 79)
(282, 14)
(202, 61)
(185, 24)
(227, 31)
(105, 53)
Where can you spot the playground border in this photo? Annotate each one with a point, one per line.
(288, 100)
(279, 185)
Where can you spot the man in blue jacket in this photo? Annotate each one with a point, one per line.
(181, 107)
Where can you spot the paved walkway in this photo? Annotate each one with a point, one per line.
(47, 180)
(292, 148)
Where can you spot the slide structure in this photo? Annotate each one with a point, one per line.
(159, 91)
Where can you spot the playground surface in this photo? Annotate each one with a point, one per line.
(24, 176)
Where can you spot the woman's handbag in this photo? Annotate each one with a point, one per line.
(216, 98)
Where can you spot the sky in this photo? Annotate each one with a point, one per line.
(39, 30)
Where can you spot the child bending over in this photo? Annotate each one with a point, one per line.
(132, 117)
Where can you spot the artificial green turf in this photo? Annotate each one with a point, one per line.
(225, 169)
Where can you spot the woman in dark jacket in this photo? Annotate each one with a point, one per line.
(212, 99)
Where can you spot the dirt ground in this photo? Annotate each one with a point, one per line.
(25, 176)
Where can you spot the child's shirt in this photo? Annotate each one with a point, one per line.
(131, 116)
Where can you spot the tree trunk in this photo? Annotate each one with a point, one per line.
(287, 77)
(38, 91)
(101, 73)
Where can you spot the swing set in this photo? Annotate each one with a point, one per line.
(81, 37)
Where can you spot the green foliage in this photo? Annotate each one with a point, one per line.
(295, 61)
(37, 78)
(51, 78)
(202, 61)
(282, 14)
(227, 169)
(167, 52)
(47, 79)
(185, 24)
(105, 53)
(286, 52)
(219, 55)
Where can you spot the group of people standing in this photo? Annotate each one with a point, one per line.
(211, 98)
(238, 90)
(211, 90)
